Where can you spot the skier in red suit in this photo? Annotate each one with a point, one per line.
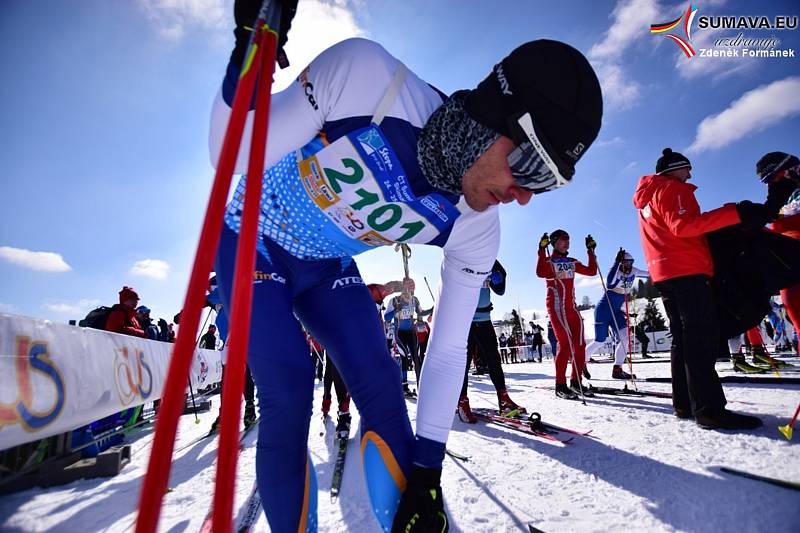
(559, 270)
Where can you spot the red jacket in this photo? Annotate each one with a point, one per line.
(673, 228)
(122, 319)
(560, 273)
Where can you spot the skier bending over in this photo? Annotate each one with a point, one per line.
(559, 270)
(609, 314)
(483, 338)
(361, 153)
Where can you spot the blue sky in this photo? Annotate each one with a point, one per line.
(104, 122)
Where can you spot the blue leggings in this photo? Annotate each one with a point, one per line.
(331, 300)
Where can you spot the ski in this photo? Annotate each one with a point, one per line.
(456, 455)
(533, 426)
(197, 440)
(532, 529)
(747, 368)
(625, 391)
(793, 485)
(250, 512)
(343, 440)
(783, 380)
(539, 422)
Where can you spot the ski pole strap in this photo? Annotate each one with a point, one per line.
(390, 95)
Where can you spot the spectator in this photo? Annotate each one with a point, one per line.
(122, 318)
(143, 317)
(171, 332)
(163, 330)
(537, 341)
(209, 339)
(673, 230)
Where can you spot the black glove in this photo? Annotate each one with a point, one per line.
(753, 215)
(544, 242)
(421, 508)
(620, 256)
(245, 13)
(778, 195)
(590, 243)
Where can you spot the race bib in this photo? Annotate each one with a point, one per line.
(359, 184)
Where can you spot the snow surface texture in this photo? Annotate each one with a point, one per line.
(644, 469)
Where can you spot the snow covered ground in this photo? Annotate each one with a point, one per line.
(643, 469)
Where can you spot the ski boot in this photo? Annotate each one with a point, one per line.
(507, 405)
(464, 412)
(618, 373)
(249, 414)
(580, 389)
(564, 392)
(326, 406)
(343, 425)
(408, 393)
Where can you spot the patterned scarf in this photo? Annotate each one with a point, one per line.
(450, 143)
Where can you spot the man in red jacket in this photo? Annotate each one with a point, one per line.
(122, 318)
(673, 231)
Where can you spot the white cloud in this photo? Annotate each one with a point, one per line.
(151, 268)
(586, 282)
(631, 20)
(754, 111)
(42, 261)
(79, 308)
(7, 308)
(174, 18)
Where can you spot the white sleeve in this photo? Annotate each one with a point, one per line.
(468, 258)
(348, 79)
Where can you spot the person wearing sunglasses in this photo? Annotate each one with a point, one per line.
(363, 153)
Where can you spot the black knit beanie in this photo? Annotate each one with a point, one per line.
(670, 161)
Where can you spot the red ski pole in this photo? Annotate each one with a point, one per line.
(155, 481)
(228, 451)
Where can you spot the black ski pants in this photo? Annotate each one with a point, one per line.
(692, 313)
(332, 377)
(483, 339)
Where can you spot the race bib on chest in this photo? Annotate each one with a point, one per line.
(406, 313)
(359, 183)
(564, 268)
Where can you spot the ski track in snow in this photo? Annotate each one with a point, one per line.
(643, 469)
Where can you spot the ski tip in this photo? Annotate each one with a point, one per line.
(532, 529)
